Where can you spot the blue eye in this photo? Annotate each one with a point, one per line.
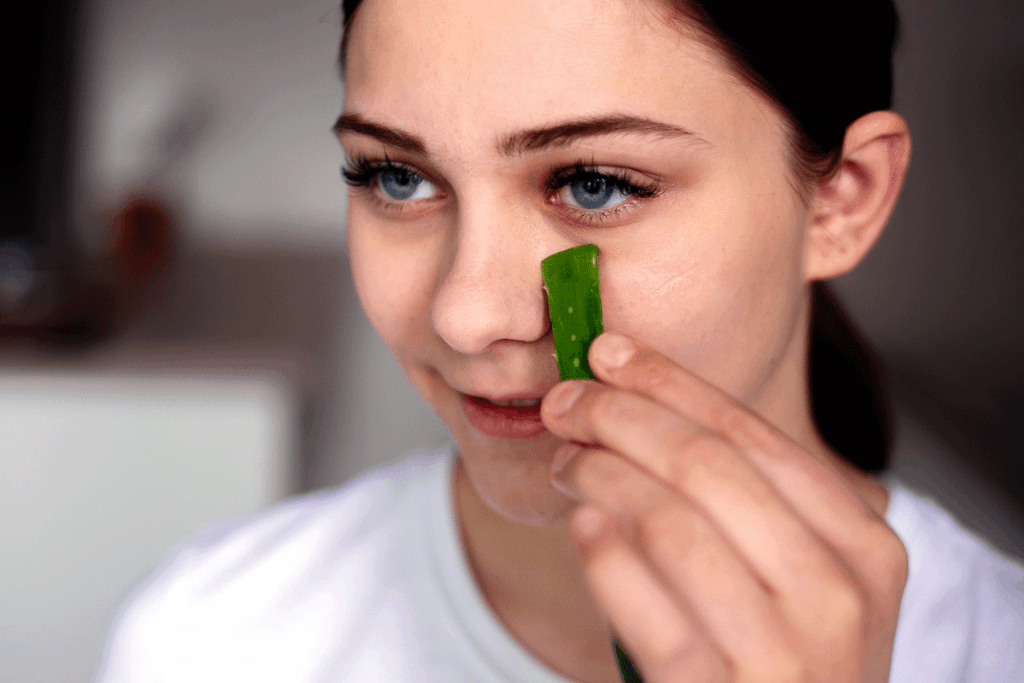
(392, 182)
(401, 184)
(588, 188)
(594, 193)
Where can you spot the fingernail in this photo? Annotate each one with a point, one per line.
(561, 398)
(612, 350)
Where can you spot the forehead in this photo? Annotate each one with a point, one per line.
(466, 70)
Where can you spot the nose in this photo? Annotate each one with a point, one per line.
(491, 289)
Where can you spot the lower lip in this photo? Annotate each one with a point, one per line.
(503, 422)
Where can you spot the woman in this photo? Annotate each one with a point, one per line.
(723, 160)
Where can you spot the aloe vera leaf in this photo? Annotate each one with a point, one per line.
(574, 304)
(626, 666)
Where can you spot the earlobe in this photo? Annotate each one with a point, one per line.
(852, 207)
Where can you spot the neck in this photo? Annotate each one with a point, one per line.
(785, 401)
(533, 581)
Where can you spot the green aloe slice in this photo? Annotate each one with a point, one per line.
(626, 666)
(574, 304)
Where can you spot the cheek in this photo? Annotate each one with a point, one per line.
(717, 293)
(393, 280)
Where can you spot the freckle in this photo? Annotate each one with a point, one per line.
(572, 338)
(575, 362)
(570, 309)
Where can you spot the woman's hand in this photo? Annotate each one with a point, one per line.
(719, 549)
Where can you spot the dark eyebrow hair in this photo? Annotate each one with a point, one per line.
(546, 137)
(564, 134)
(355, 123)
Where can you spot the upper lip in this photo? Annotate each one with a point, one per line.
(501, 398)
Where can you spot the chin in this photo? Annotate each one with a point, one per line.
(548, 510)
(511, 478)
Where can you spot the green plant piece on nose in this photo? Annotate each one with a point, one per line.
(574, 304)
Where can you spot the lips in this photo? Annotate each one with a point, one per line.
(517, 418)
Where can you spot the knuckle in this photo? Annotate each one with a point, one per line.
(732, 417)
(848, 609)
(591, 470)
(779, 666)
(609, 406)
(884, 560)
(658, 377)
(700, 451)
(691, 660)
(843, 619)
(897, 562)
(893, 574)
(680, 540)
(667, 531)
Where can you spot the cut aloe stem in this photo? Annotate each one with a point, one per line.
(574, 304)
(626, 666)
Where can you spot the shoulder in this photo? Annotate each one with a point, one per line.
(278, 583)
(318, 526)
(962, 616)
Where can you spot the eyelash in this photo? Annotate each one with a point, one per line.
(622, 180)
(360, 172)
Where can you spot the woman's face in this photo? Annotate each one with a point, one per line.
(495, 134)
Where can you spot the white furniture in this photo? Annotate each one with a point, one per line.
(101, 474)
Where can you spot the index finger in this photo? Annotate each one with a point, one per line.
(815, 488)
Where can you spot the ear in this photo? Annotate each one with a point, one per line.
(851, 208)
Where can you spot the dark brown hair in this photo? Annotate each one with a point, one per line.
(823, 65)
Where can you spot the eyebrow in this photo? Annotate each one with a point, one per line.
(564, 134)
(523, 142)
(354, 123)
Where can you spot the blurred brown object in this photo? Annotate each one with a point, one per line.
(142, 238)
(51, 290)
(55, 297)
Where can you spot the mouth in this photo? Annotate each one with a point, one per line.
(513, 418)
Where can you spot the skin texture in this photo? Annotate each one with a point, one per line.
(710, 276)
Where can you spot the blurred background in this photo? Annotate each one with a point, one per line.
(180, 341)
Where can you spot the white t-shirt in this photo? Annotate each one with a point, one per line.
(370, 583)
